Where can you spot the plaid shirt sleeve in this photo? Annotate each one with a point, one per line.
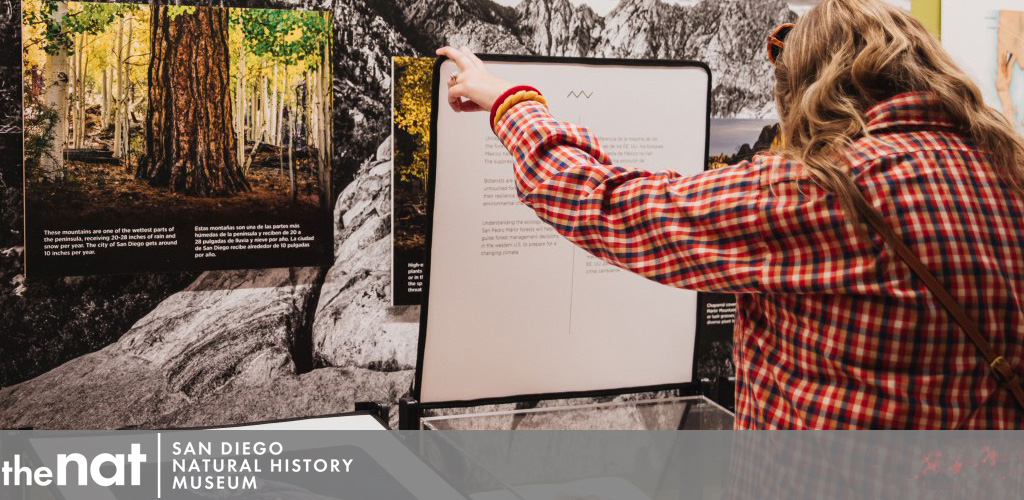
(699, 232)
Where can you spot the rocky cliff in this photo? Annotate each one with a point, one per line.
(559, 28)
(480, 24)
(763, 143)
(355, 325)
(726, 34)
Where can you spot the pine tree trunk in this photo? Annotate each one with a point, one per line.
(190, 143)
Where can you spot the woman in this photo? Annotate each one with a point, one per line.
(833, 330)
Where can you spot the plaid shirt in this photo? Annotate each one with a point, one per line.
(832, 330)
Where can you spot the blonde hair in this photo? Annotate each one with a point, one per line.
(845, 56)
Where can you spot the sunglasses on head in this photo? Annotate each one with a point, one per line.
(777, 40)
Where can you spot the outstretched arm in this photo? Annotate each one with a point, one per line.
(700, 232)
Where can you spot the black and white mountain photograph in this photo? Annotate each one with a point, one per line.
(191, 349)
(726, 34)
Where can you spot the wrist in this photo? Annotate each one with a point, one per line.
(514, 95)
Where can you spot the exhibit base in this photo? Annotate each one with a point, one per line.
(621, 413)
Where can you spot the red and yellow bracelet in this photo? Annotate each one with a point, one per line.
(511, 97)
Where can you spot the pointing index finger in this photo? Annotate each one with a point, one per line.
(455, 55)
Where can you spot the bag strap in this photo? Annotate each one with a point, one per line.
(997, 364)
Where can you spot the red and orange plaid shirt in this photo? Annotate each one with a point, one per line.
(833, 330)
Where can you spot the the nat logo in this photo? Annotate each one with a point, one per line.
(105, 469)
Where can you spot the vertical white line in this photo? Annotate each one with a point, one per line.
(159, 467)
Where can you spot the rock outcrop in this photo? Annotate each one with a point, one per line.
(355, 325)
(227, 332)
(483, 25)
(559, 28)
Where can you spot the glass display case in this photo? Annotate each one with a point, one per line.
(672, 413)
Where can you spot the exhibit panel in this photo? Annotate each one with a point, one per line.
(410, 141)
(162, 138)
(515, 309)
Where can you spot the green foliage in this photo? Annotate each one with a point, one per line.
(173, 11)
(413, 77)
(92, 19)
(291, 36)
(39, 133)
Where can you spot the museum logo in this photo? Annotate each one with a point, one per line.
(580, 94)
(105, 469)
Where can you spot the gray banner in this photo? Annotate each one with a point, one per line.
(514, 465)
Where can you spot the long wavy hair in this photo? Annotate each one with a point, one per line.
(845, 56)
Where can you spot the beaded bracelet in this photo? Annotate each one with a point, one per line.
(511, 97)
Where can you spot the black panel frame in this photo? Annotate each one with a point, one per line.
(412, 405)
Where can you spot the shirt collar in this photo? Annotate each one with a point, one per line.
(912, 109)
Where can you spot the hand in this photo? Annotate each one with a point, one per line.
(475, 88)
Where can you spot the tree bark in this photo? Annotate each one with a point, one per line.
(282, 133)
(275, 125)
(119, 100)
(83, 70)
(253, 110)
(56, 98)
(74, 89)
(314, 109)
(128, 93)
(326, 126)
(264, 108)
(190, 141)
(280, 108)
(105, 111)
(291, 147)
(240, 107)
(79, 64)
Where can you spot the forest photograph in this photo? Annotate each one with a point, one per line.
(411, 105)
(146, 110)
